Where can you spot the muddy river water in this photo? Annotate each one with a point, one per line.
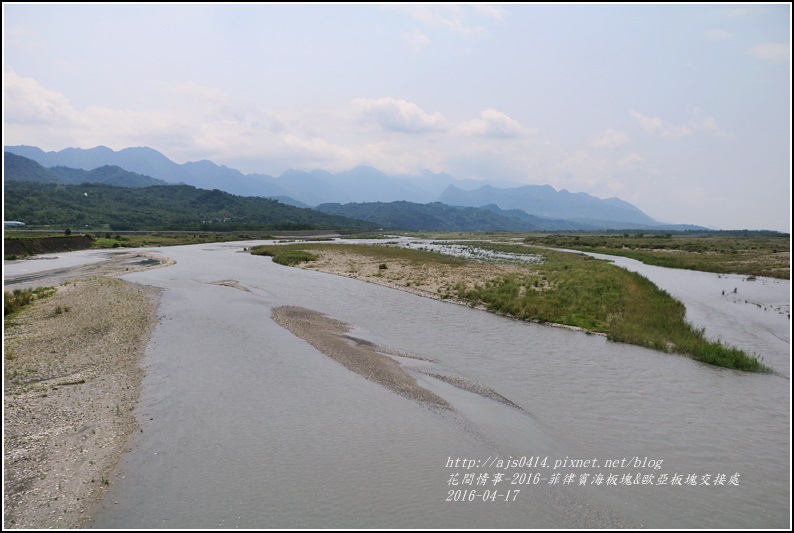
(246, 425)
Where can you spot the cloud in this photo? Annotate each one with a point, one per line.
(199, 92)
(27, 102)
(491, 11)
(608, 139)
(632, 160)
(735, 12)
(773, 52)
(657, 127)
(448, 16)
(417, 40)
(45, 118)
(651, 125)
(24, 38)
(718, 35)
(399, 115)
(492, 123)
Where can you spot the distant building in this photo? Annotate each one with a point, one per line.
(13, 224)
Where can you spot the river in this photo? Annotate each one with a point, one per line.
(245, 425)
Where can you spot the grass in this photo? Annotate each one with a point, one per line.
(600, 297)
(284, 255)
(15, 300)
(568, 289)
(759, 254)
(140, 240)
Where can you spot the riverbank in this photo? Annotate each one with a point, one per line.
(72, 377)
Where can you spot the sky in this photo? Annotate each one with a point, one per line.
(682, 110)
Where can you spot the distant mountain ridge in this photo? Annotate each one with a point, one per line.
(545, 201)
(359, 185)
(19, 168)
(311, 188)
(436, 216)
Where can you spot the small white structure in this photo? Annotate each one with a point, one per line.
(13, 224)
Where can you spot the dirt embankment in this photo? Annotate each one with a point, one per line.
(72, 377)
(44, 245)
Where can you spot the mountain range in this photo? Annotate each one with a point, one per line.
(19, 168)
(528, 208)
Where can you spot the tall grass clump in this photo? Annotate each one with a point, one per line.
(15, 300)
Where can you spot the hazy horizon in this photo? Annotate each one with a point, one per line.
(682, 110)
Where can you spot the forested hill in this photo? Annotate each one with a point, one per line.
(172, 207)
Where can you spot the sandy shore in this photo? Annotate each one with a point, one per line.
(72, 377)
(431, 280)
(330, 337)
(117, 263)
(373, 362)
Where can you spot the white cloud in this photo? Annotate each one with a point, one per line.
(27, 102)
(651, 125)
(491, 11)
(735, 12)
(657, 127)
(417, 40)
(448, 16)
(45, 118)
(632, 160)
(199, 92)
(609, 139)
(24, 38)
(580, 171)
(710, 125)
(718, 35)
(399, 115)
(773, 52)
(492, 123)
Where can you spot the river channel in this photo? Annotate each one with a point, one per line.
(246, 425)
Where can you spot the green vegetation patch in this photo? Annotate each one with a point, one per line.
(284, 255)
(747, 253)
(106, 240)
(597, 296)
